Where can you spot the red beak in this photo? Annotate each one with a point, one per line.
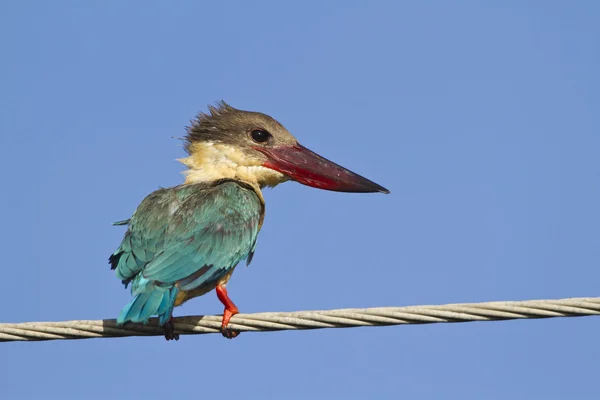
(309, 168)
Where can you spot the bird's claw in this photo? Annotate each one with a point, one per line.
(229, 311)
(229, 333)
(170, 333)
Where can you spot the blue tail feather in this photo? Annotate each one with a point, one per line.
(149, 300)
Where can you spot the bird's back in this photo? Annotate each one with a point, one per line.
(184, 240)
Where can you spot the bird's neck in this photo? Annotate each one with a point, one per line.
(209, 162)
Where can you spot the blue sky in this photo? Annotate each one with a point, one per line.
(481, 118)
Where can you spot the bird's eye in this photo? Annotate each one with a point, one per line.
(260, 135)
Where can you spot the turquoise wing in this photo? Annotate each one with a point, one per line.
(186, 237)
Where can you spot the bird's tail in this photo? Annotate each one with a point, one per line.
(149, 300)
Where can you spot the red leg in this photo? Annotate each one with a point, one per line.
(230, 311)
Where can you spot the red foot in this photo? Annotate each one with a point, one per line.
(230, 311)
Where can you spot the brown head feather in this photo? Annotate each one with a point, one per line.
(225, 124)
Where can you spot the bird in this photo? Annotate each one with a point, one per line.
(184, 241)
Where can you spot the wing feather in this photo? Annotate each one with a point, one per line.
(189, 235)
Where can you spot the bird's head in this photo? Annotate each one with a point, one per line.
(253, 147)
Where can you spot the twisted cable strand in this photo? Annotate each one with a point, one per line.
(300, 320)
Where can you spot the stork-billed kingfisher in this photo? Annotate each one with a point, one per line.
(185, 241)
